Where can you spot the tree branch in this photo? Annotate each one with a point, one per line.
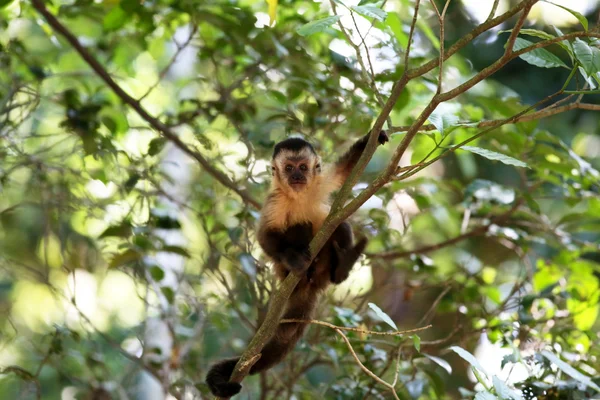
(546, 112)
(133, 103)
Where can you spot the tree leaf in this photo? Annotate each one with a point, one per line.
(441, 362)
(443, 120)
(122, 230)
(395, 23)
(532, 32)
(417, 342)
(124, 258)
(468, 357)
(503, 391)
(492, 155)
(317, 26)
(538, 57)
(156, 145)
(371, 11)
(176, 250)
(582, 20)
(588, 56)
(384, 317)
(569, 370)
(115, 19)
(157, 273)
(272, 11)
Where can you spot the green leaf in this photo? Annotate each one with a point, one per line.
(443, 120)
(168, 293)
(121, 230)
(504, 391)
(176, 250)
(468, 357)
(532, 32)
(588, 56)
(569, 370)
(417, 342)
(395, 23)
(156, 145)
(371, 11)
(317, 26)
(424, 26)
(157, 273)
(538, 57)
(384, 317)
(492, 155)
(582, 20)
(115, 19)
(441, 362)
(124, 258)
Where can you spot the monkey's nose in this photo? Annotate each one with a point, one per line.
(297, 178)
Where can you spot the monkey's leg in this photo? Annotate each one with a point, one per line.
(289, 247)
(343, 253)
(296, 255)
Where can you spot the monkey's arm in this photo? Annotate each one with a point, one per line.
(345, 163)
(288, 247)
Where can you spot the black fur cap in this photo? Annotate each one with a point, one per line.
(293, 144)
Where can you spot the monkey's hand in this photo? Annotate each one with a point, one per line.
(296, 261)
(383, 137)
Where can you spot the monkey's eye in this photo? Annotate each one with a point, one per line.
(303, 167)
(288, 168)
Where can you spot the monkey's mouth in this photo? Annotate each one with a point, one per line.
(297, 185)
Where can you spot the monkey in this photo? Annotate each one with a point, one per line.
(295, 209)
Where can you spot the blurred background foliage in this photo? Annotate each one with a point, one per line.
(126, 268)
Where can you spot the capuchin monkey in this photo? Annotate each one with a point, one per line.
(295, 209)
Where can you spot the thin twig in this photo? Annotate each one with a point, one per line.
(411, 33)
(163, 73)
(493, 11)
(346, 328)
(362, 366)
(543, 113)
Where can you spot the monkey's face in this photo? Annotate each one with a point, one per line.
(296, 169)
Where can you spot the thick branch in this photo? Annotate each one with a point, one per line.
(133, 103)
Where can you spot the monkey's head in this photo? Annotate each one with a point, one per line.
(295, 164)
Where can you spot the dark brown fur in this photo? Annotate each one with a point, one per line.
(293, 212)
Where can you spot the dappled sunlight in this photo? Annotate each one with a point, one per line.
(36, 307)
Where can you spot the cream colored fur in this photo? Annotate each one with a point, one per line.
(286, 207)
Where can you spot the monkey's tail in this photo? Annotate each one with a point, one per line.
(218, 378)
(274, 351)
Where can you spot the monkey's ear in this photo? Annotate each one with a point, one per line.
(272, 170)
(318, 165)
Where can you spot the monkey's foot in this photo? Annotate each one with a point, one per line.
(346, 259)
(383, 137)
